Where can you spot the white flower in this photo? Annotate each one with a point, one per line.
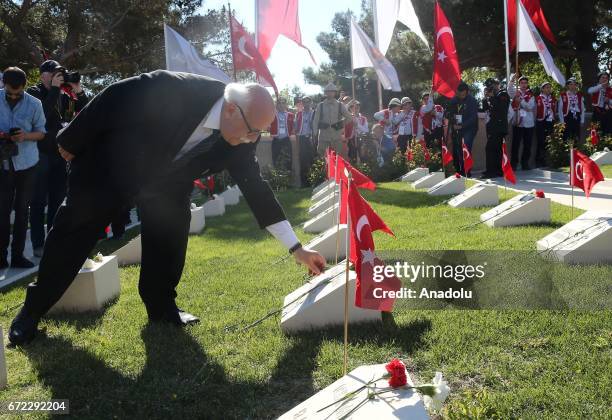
(193, 206)
(98, 258)
(442, 390)
(606, 149)
(89, 264)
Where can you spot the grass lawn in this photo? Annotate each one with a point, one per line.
(606, 170)
(500, 364)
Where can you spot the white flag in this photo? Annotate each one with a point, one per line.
(365, 54)
(182, 56)
(529, 40)
(386, 13)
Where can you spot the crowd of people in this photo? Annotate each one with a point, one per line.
(337, 122)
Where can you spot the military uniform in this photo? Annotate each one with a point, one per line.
(328, 123)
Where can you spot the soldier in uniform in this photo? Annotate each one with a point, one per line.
(328, 123)
(495, 105)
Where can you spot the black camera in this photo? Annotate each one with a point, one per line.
(8, 148)
(69, 76)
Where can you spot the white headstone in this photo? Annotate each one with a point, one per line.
(450, 186)
(323, 220)
(198, 220)
(415, 174)
(3, 372)
(130, 253)
(230, 197)
(429, 181)
(237, 188)
(324, 192)
(523, 209)
(91, 288)
(479, 195)
(214, 207)
(602, 158)
(323, 185)
(396, 404)
(323, 204)
(585, 240)
(319, 303)
(326, 243)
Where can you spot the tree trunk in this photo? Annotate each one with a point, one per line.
(585, 37)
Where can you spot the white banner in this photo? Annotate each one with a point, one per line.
(387, 13)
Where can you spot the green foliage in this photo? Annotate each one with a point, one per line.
(279, 179)
(474, 406)
(318, 172)
(558, 149)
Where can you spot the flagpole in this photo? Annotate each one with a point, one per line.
(229, 11)
(334, 217)
(338, 222)
(257, 23)
(518, 5)
(378, 85)
(352, 70)
(346, 282)
(507, 42)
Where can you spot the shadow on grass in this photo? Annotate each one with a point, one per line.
(82, 320)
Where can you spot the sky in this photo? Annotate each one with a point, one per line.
(288, 59)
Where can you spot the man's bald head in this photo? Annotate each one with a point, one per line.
(247, 110)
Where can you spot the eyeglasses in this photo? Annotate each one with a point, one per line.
(251, 130)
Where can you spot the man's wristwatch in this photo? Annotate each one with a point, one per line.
(295, 248)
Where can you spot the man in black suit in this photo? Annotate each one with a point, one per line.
(144, 140)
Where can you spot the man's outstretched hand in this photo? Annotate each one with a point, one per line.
(67, 156)
(311, 259)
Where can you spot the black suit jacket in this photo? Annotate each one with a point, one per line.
(128, 135)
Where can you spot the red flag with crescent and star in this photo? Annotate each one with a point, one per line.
(534, 9)
(372, 282)
(594, 136)
(359, 179)
(468, 162)
(446, 75)
(330, 159)
(447, 157)
(506, 167)
(584, 172)
(246, 56)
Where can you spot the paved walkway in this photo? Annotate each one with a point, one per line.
(556, 186)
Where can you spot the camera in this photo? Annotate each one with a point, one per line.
(8, 148)
(69, 76)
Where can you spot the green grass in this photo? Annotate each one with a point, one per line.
(502, 364)
(606, 170)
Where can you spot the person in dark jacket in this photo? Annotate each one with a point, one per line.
(462, 113)
(145, 139)
(61, 102)
(495, 104)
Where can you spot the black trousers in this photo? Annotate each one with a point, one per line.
(16, 189)
(50, 191)
(165, 215)
(403, 141)
(281, 153)
(572, 127)
(604, 117)
(307, 156)
(543, 130)
(493, 151)
(521, 135)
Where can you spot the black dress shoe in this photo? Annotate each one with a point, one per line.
(23, 329)
(21, 262)
(174, 316)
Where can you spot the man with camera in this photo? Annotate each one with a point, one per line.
(328, 123)
(22, 124)
(463, 123)
(62, 98)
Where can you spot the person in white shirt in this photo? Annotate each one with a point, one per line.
(304, 131)
(545, 116)
(601, 100)
(524, 105)
(571, 110)
(389, 118)
(405, 127)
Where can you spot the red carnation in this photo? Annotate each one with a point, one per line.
(397, 370)
(539, 194)
(457, 175)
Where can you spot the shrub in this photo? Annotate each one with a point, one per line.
(279, 179)
(317, 173)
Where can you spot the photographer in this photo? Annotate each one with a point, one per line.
(463, 123)
(22, 124)
(62, 98)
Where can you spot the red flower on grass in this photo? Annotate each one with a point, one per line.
(397, 370)
(539, 194)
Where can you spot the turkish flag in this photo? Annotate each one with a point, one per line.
(447, 157)
(594, 136)
(245, 55)
(409, 154)
(584, 172)
(506, 167)
(446, 75)
(468, 162)
(425, 150)
(274, 18)
(358, 178)
(364, 221)
(330, 158)
(210, 183)
(536, 14)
